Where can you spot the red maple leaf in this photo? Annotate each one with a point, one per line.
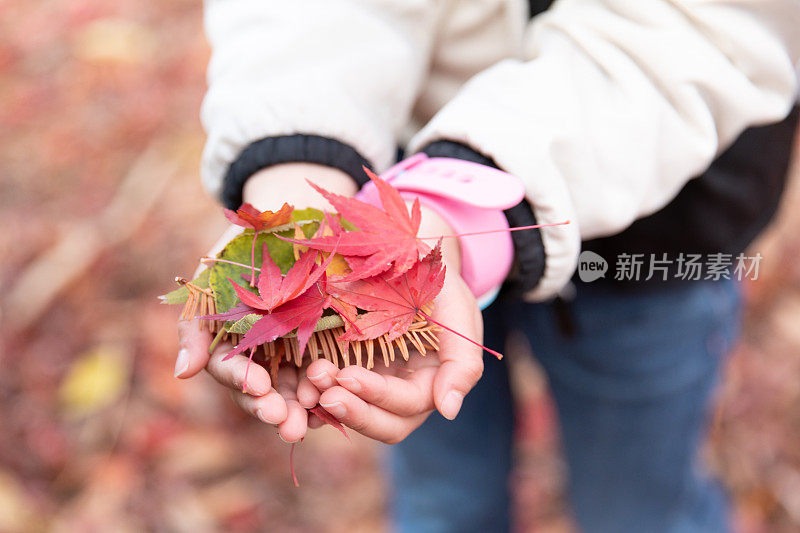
(392, 303)
(301, 313)
(387, 238)
(248, 216)
(296, 300)
(274, 288)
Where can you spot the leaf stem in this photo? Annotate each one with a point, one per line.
(215, 260)
(247, 370)
(428, 317)
(213, 345)
(253, 260)
(501, 230)
(185, 282)
(291, 465)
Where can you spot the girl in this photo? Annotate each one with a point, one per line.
(627, 117)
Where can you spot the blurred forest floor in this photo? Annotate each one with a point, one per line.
(101, 206)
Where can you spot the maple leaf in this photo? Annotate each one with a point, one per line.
(300, 313)
(294, 301)
(387, 238)
(248, 216)
(274, 288)
(392, 303)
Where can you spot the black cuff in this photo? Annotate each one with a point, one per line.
(529, 254)
(287, 149)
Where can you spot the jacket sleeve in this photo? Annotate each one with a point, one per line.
(619, 103)
(336, 77)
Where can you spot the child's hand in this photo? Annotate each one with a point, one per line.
(283, 403)
(273, 403)
(389, 403)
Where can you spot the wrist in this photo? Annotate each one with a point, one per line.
(282, 149)
(269, 188)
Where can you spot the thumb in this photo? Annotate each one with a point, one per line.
(461, 360)
(454, 379)
(193, 353)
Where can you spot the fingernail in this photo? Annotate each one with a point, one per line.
(350, 384)
(318, 376)
(182, 362)
(337, 409)
(452, 404)
(260, 416)
(287, 441)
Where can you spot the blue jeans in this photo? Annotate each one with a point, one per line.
(632, 386)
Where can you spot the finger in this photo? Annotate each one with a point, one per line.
(231, 373)
(462, 361)
(270, 408)
(452, 383)
(193, 353)
(296, 424)
(321, 373)
(402, 396)
(367, 419)
(307, 392)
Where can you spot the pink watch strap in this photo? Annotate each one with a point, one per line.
(470, 197)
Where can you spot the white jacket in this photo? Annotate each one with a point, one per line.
(604, 108)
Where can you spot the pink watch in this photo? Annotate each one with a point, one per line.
(471, 198)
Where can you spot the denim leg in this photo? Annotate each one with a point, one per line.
(632, 388)
(452, 476)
